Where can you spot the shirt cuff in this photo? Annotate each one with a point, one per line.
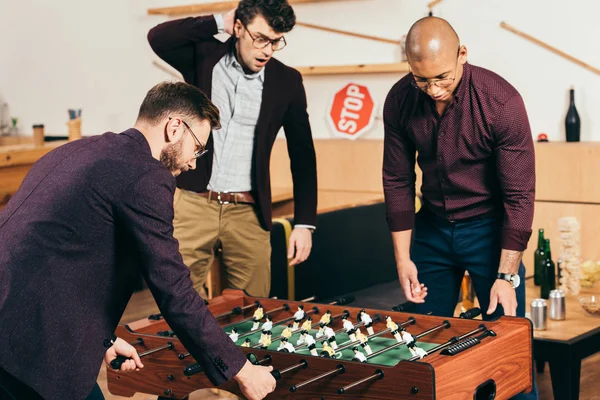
(220, 23)
(401, 220)
(305, 226)
(513, 239)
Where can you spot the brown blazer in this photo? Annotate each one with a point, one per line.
(189, 46)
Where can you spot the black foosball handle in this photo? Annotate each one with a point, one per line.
(276, 374)
(117, 362)
(466, 344)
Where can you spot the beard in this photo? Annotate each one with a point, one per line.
(170, 156)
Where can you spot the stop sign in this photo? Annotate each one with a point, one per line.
(352, 111)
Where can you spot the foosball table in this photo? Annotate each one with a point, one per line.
(330, 351)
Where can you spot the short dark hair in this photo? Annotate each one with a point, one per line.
(179, 98)
(278, 13)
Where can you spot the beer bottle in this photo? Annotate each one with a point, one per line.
(539, 257)
(549, 275)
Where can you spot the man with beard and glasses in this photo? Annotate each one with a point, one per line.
(470, 129)
(89, 217)
(225, 203)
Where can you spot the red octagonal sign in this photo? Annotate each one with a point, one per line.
(352, 111)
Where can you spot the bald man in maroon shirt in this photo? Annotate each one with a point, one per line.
(470, 130)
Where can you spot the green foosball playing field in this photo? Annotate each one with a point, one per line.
(388, 359)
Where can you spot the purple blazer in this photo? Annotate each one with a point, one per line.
(88, 218)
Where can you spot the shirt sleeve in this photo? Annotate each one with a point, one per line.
(146, 212)
(515, 165)
(398, 169)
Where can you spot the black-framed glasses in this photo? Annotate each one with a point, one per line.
(200, 147)
(441, 83)
(261, 42)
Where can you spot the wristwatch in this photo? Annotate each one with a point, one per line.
(514, 279)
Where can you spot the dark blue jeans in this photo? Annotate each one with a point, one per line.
(442, 251)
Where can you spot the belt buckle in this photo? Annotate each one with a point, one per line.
(221, 202)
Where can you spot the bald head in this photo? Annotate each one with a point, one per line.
(431, 38)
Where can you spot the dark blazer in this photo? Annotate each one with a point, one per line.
(88, 218)
(189, 46)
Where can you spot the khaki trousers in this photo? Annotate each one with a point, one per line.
(203, 226)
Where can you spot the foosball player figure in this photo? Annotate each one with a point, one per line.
(393, 327)
(282, 343)
(265, 341)
(258, 314)
(321, 330)
(311, 344)
(330, 335)
(263, 334)
(349, 327)
(364, 342)
(416, 350)
(286, 346)
(327, 351)
(268, 325)
(326, 318)
(298, 316)
(366, 320)
(406, 337)
(246, 343)
(287, 332)
(307, 324)
(302, 337)
(358, 355)
(234, 334)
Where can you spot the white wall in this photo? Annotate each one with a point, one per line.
(94, 55)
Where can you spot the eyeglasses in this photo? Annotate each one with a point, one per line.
(261, 42)
(200, 147)
(441, 83)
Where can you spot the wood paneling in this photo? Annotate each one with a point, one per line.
(568, 172)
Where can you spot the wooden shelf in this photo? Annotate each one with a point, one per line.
(355, 69)
(207, 8)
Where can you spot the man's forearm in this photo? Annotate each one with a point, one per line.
(510, 260)
(401, 241)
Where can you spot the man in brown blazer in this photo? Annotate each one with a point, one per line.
(89, 217)
(230, 190)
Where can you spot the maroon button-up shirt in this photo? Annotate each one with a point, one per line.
(477, 159)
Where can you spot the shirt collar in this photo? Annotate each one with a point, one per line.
(231, 61)
(465, 82)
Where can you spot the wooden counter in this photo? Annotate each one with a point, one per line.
(15, 162)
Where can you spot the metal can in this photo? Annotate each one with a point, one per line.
(557, 305)
(539, 314)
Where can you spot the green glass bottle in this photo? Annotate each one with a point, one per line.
(539, 257)
(549, 274)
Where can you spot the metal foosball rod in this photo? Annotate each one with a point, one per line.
(314, 310)
(376, 376)
(345, 313)
(379, 373)
(285, 307)
(443, 325)
(452, 341)
(116, 363)
(376, 318)
(343, 346)
(340, 369)
(238, 310)
(277, 373)
(467, 343)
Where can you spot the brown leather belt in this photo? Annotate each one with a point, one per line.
(229, 198)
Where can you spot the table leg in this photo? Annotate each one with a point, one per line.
(565, 370)
(540, 366)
